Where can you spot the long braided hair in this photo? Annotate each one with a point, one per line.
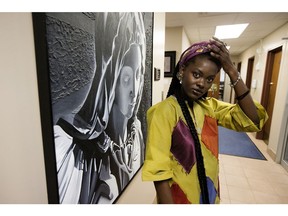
(176, 89)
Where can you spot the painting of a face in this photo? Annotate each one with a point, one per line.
(128, 83)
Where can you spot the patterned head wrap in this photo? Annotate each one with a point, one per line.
(193, 50)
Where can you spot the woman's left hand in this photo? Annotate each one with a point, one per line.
(220, 51)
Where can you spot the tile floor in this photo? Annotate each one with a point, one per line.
(252, 181)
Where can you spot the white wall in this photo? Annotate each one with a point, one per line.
(175, 40)
(158, 56)
(185, 41)
(23, 177)
(21, 151)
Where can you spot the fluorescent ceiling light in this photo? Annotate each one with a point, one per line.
(230, 31)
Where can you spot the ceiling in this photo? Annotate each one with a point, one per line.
(200, 26)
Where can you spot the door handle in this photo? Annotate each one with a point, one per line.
(271, 83)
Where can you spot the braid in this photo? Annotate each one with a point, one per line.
(200, 164)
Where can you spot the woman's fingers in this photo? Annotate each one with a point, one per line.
(219, 48)
(220, 51)
(220, 44)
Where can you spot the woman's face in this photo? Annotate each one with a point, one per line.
(198, 77)
(128, 83)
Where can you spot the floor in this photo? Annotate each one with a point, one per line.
(252, 181)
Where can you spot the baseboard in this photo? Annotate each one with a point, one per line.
(271, 154)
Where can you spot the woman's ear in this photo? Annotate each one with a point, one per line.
(181, 71)
(179, 76)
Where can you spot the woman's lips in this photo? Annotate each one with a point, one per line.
(197, 92)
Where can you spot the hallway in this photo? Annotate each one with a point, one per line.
(252, 181)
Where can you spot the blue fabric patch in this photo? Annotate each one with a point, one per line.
(211, 190)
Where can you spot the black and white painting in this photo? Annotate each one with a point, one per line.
(99, 68)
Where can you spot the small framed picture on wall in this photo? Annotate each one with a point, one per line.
(169, 63)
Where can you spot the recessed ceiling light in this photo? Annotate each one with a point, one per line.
(230, 31)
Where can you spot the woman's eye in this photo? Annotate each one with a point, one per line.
(196, 75)
(210, 79)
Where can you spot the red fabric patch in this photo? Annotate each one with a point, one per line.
(210, 135)
(178, 195)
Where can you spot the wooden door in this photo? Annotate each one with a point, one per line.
(269, 89)
(272, 92)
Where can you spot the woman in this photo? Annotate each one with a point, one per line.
(182, 141)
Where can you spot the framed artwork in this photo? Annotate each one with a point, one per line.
(169, 63)
(94, 74)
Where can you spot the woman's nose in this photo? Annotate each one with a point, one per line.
(201, 83)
